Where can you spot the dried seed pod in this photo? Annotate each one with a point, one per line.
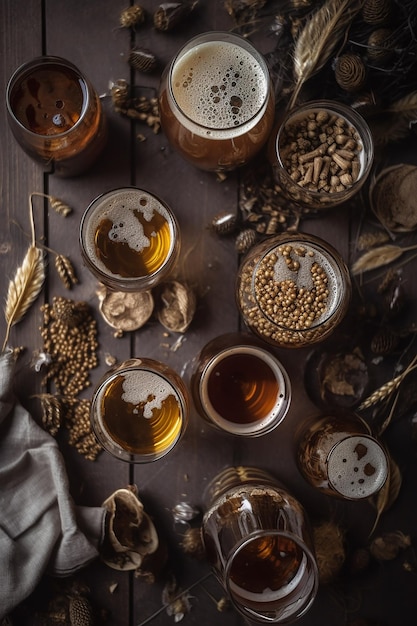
(65, 271)
(176, 308)
(350, 72)
(384, 341)
(125, 311)
(80, 612)
(170, 14)
(379, 47)
(132, 16)
(391, 197)
(387, 546)
(119, 93)
(376, 12)
(224, 223)
(245, 240)
(142, 59)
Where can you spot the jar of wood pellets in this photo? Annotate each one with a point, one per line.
(293, 290)
(321, 154)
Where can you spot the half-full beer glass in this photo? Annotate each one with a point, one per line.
(56, 115)
(216, 101)
(258, 542)
(139, 410)
(129, 239)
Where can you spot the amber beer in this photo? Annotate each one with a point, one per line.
(129, 239)
(258, 541)
(55, 115)
(139, 410)
(216, 101)
(338, 455)
(240, 387)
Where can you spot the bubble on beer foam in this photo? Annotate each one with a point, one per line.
(219, 85)
(357, 467)
(147, 389)
(303, 278)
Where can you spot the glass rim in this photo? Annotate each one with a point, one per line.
(311, 562)
(101, 432)
(354, 118)
(238, 40)
(25, 69)
(107, 277)
(280, 374)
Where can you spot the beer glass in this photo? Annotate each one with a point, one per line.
(239, 386)
(216, 101)
(293, 290)
(338, 455)
(139, 410)
(258, 542)
(55, 115)
(129, 239)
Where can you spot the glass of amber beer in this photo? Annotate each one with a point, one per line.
(55, 115)
(257, 539)
(129, 239)
(139, 410)
(338, 455)
(216, 101)
(239, 386)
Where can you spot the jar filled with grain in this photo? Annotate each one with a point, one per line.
(293, 290)
(321, 154)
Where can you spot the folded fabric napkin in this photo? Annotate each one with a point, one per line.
(41, 528)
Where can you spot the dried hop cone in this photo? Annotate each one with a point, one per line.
(380, 47)
(132, 16)
(376, 11)
(350, 72)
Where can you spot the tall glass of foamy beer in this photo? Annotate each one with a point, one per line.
(139, 410)
(55, 115)
(258, 541)
(338, 455)
(216, 101)
(129, 239)
(239, 386)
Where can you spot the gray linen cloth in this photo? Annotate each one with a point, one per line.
(41, 529)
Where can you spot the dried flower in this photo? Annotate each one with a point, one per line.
(176, 306)
(388, 545)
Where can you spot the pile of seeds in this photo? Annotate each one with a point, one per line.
(321, 152)
(69, 336)
(283, 308)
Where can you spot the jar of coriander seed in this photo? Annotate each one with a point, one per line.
(293, 289)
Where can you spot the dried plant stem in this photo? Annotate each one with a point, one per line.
(388, 388)
(27, 283)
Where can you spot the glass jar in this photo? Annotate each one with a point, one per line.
(258, 541)
(293, 290)
(321, 154)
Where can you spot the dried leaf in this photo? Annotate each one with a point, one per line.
(319, 37)
(24, 288)
(389, 492)
(378, 257)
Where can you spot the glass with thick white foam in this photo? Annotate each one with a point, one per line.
(216, 101)
(129, 239)
(55, 115)
(293, 290)
(139, 410)
(257, 539)
(338, 455)
(239, 386)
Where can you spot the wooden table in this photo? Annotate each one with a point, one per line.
(88, 34)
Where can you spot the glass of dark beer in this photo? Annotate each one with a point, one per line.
(139, 410)
(129, 239)
(239, 386)
(338, 455)
(216, 101)
(55, 115)
(257, 539)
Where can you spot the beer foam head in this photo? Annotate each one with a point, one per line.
(219, 85)
(147, 389)
(357, 467)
